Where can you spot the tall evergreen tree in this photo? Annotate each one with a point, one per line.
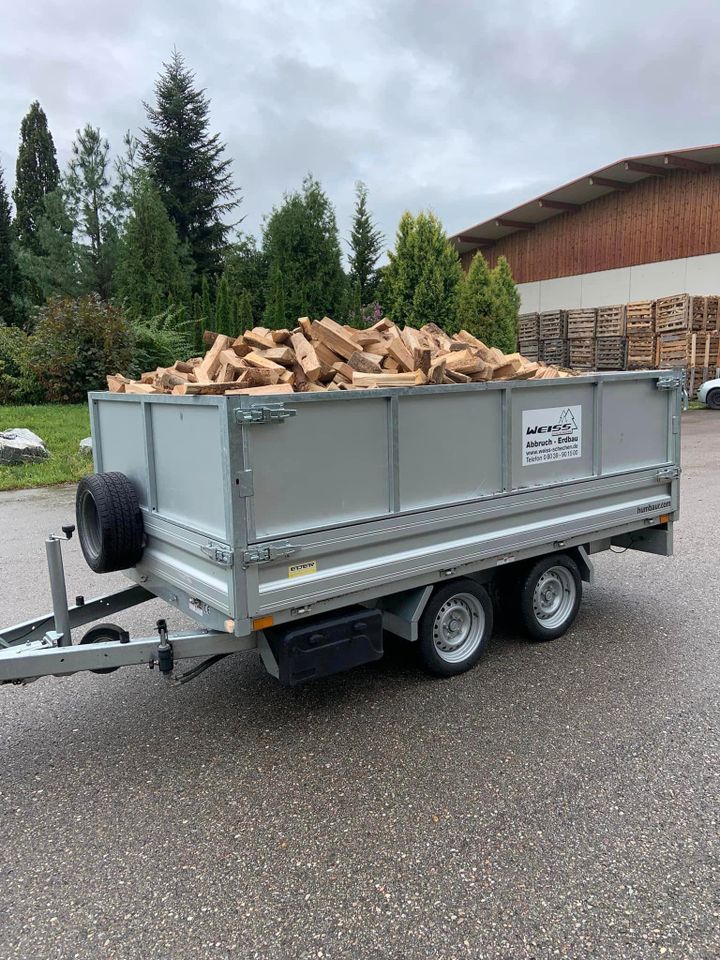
(223, 318)
(246, 269)
(208, 314)
(244, 312)
(151, 263)
(366, 243)
(506, 305)
(187, 163)
(36, 174)
(9, 272)
(89, 193)
(276, 316)
(302, 250)
(476, 306)
(421, 282)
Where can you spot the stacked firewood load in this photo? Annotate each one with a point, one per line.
(322, 355)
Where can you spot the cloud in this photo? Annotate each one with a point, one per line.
(466, 108)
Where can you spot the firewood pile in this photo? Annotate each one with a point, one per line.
(322, 355)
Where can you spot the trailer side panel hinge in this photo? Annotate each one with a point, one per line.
(270, 413)
(265, 554)
(668, 383)
(244, 483)
(669, 473)
(219, 553)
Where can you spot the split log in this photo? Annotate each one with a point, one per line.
(306, 357)
(255, 391)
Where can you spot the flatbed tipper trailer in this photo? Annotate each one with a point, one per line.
(306, 525)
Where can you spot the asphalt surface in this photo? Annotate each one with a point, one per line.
(561, 800)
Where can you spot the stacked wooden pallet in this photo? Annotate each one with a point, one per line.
(322, 355)
(611, 321)
(640, 331)
(676, 331)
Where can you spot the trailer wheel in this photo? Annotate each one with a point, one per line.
(713, 399)
(549, 597)
(455, 628)
(105, 633)
(109, 522)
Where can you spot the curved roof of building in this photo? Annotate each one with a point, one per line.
(620, 175)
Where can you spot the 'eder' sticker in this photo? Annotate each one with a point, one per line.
(554, 433)
(302, 569)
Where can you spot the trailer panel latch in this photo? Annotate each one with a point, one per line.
(270, 413)
(668, 383)
(265, 554)
(669, 473)
(219, 553)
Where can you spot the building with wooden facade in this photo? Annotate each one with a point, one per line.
(641, 228)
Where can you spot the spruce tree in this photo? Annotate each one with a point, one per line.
(301, 247)
(421, 282)
(366, 243)
(187, 163)
(90, 195)
(151, 265)
(36, 174)
(506, 306)
(9, 272)
(476, 305)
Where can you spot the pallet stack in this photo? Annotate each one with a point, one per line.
(681, 331)
(581, 326)
(640, 331)
(553, 337)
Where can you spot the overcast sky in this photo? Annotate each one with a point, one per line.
(463, 107)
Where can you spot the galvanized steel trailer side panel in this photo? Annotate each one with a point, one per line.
(377, 490)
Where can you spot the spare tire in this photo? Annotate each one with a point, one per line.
(109, 522)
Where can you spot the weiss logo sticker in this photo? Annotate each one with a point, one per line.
(551, 434)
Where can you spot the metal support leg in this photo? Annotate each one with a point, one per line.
(53, 547)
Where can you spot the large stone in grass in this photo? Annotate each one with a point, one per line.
(19, 446)
(86, 447)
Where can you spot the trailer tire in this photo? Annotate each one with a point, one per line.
(109, 522)
(455, 628)
(549, 596)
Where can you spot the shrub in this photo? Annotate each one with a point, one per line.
(75, 344)
(160, 341)
(17, 384)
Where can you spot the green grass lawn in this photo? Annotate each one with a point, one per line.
(62, 428)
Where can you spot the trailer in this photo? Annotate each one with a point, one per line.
(307, 526)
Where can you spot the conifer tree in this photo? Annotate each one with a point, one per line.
(187, 163)
(275, 312)
(223, 318)
(506, 306)
(476, 305)
(301, 246)
(89, 192)
(151, 265)
(421, 282)
(244, 312)
(208, 313)
(36, 174)
(246, 269)
(366, 243)
(55, 267)
(9, 273)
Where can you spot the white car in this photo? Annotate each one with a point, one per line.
(709, 393)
